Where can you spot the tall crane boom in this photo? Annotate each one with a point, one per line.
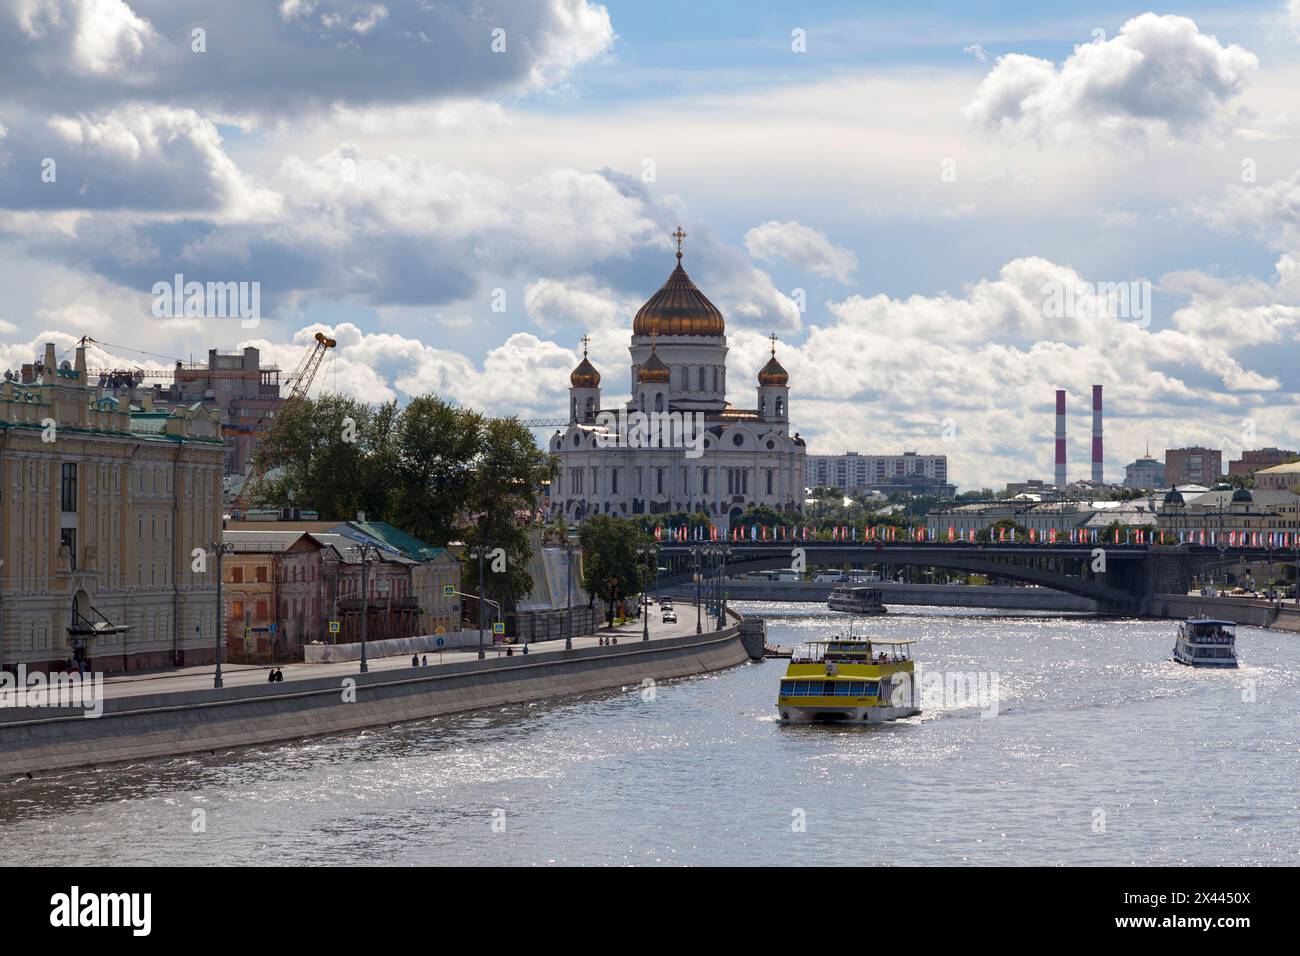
(302, 378)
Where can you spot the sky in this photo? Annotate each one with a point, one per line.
(944, 214)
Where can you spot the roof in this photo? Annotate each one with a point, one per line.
(1210, 620)
(346, 547)
(395, 538)
(858, 640)
(1290, 468)
(260, 542)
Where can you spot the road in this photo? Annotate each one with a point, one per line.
(183, 679)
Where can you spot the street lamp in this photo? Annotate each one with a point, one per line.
(723, 551)
(219, 548)
(695, 567)
(480, 552)
(568, 593)
(647, 552)
(366, 551)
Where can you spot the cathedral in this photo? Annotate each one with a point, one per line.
(677, 445)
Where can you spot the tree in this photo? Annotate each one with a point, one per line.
(609, 551)
(760, 515)
(991, 533)
(323, 452)
(434, 470)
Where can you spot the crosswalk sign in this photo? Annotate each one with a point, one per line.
(449, 590)
(334, 627)
(498, 628)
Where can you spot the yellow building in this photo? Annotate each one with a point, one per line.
(104, 514)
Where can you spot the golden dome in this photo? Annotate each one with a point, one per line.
(654, 371)
(773, 373)
(678, 308)
(585, 375)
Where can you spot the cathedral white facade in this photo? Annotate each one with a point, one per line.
(677, 445)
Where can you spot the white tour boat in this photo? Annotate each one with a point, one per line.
(1203, 642)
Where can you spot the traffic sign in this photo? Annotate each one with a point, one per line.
(498, 628)
(441, 642)
(334, 627)
(449, 590)
(440, 630)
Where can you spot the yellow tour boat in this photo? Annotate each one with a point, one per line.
(859, 680)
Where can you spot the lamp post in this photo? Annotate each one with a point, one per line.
(219, 548)
(568, 593)
(366, 551)
(723, 551)
(480, 551)
(695, 567)
(647, 552)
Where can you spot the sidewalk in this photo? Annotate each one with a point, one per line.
(240, 675)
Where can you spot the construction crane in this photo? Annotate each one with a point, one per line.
(301, 378)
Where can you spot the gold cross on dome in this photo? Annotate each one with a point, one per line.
(773, 338)
(586, 340)
(679, 236)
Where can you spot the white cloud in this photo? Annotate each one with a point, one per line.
(577, 304)
(801, 246)
(1159, 77)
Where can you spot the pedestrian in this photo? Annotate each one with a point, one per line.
(279, 675)
(525, 647)
(270, 676)
(424, 661)
(415, 660)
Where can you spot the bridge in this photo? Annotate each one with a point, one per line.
(1122, 579)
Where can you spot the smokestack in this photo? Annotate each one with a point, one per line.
(1096, 433)
(1060, 438)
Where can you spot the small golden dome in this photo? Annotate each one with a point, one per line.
(678, 308)
(654, 371)
(585, 375)
(773, 373)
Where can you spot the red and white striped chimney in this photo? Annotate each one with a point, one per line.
(1096, 433)
(1060, 438)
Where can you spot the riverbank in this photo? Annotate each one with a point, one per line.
(1270, 614)
(145, 719)
(998, 597)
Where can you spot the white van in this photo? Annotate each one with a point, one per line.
(788, 575)
(828, 577)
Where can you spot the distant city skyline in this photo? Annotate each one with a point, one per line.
(906, 209)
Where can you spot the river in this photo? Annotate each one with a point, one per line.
(1101, 751)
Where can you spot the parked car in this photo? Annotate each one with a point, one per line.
(670, 616)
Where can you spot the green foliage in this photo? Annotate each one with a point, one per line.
(609, 550)
(434, 470)
(990, 533)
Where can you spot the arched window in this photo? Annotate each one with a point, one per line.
(780, 405)
(762, 408)
(591, 407)
(659, 401)
(701, 378)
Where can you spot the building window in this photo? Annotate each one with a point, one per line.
(701, 378)
(68, 539)
(69, 491)
(261, 574)
(236, 575)
(659, 481)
